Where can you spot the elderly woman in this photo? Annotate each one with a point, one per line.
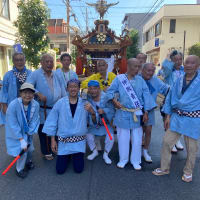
(22, 121)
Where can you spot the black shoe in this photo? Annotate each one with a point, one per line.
(30, 165)
(22, 174)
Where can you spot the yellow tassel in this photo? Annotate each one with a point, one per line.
(135, 117)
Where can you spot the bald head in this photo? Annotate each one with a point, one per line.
(191, 64)
(148, 71)
(133, 66)
(142, 58)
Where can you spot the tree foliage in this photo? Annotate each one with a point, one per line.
(32, 29)
(133, 50)
(195, 49)
(74, 54)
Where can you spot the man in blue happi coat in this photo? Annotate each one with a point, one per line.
(95, 96)
(13, 80)
(48, 91)
(133, 103)
(65, 73)
(156, 86)
(68, 121)
(172, 70)
(182, 108)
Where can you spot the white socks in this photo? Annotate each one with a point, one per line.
(106, 158)
(93, 155)
(147, 157)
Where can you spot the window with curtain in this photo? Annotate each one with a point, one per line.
(4, 9)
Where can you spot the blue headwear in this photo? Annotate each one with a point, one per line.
(74, 81)
(93, 83)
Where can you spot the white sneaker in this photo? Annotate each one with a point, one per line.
(147, 157)
(106, 158)
(93, 155)
(137, 166)
(121, 164)
(174, 149)
(179, 146)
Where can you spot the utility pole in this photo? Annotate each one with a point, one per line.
(68, 30)
(184, 45)
(87, 29)
(67, 4)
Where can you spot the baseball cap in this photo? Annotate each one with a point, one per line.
(27, 86)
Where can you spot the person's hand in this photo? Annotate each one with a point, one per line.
(23, 144)
(89, 108)
(117, 104)
(100, 111)
(41, 97)
(54, 145)
(167, 122)
(145, 117)
(4, 108)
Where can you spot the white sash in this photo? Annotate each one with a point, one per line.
(131, 93)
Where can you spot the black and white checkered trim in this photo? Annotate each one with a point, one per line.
(71, 139)
(193, 114)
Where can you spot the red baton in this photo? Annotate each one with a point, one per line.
(104, 123)
(14, 161)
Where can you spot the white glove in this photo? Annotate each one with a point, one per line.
(23, 144)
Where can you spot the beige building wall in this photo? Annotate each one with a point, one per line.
(187, 19)
(7, 35)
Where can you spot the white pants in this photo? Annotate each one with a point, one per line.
(108, 143)
(124, 136)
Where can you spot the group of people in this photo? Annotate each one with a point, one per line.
(51, 104)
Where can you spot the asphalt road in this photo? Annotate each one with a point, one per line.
(100, 181)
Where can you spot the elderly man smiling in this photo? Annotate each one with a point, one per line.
(182, 107)
(134, 97)
(155, 86)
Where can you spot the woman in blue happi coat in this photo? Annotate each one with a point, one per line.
(68, 121)
(172, 70)
(13, 80)
(156, 86)
(22, 122)
(65, 73)
(95, 96)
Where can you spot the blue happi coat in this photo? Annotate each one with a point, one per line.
(109, 111)
(39, 81)
(2, 116)
(10, 87)
(187, 101)
(61, 123)
(16, 128)
(61, 76)
(156, 86)
(124, 119)
(170, 73)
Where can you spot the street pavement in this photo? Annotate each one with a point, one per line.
(100, 181)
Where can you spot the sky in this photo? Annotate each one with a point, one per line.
(115, 14)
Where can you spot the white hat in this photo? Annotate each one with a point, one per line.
(27, 86)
